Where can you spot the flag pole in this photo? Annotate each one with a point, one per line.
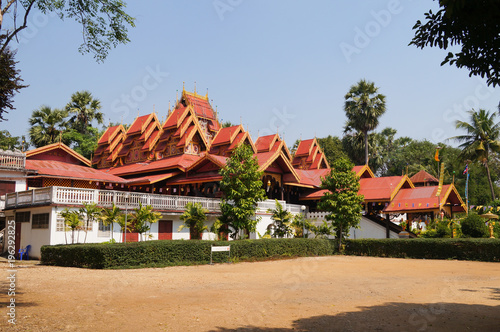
(467, 190)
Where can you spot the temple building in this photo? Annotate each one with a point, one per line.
(167, 164)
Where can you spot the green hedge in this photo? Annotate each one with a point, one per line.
(487, 250)
(178, 252)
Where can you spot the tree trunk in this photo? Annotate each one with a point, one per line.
(366, 146)
(489, 180)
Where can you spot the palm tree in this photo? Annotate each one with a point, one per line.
(85, 108)
(91, 212)
(282, 221)
(194, 218)
(143, 217)
(46, 125)
(483, 137)
(363, 107)
(72, 219)
(109, 217)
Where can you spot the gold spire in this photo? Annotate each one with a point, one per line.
(195, 87)
(206, 96)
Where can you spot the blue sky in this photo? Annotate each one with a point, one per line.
(273, 65)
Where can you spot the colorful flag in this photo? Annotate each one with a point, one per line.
(436, 156)
(466, 169)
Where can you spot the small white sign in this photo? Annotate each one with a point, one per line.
(221, 248)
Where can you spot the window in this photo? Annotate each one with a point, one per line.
(103, 230)
(40, 221)
(60, 226)
(23, 216)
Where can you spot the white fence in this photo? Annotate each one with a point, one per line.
(106, 198)
(10, 159)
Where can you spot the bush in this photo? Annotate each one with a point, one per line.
(487, 250)
(474, 226)
(178, 252)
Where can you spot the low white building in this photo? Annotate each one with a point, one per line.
(37, 215)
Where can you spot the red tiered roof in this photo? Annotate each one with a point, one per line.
(424, 198)
(309, 155)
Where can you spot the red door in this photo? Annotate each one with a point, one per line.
(18, 238)
(165, 230)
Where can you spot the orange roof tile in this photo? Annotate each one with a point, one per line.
(110, 133)
(139, 124)
(226, 135)
(60, 169)
(265, 143)
(174, 117)
(147, 132)
(200, 105)
(58, 146)
(239, 138)
(424, 198)
(305, 147)
(151, 140)
(383, 188)
(181, 162)
(423, 177)
(150, 179)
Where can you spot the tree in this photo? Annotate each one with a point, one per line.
(301, 224)
(92, 213)
(474, 226)
(110, 217)
(10, 81)
(104, 25)
(194, 218)
(47, 125)
(104, 22)
(471, 24)
(242, 187)
(85, 109)
(363, 107)
(483, 137)
(143, 217)
(8, 142)
(341, 200)
(121, 222)
(282, 221)
(84, 144)
(332, 148)
(73, 220)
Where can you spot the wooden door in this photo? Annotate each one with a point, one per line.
(165, 230)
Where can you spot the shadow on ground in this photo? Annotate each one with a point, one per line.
(397, 317)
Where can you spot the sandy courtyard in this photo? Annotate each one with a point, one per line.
(307, 294)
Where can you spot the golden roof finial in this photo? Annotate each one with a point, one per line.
(206, 96)
(195, 87)
(176, 96)
(241, 121)
(183, 86)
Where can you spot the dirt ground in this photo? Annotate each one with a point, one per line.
(336, 293)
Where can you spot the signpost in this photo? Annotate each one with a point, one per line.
(220, 248)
